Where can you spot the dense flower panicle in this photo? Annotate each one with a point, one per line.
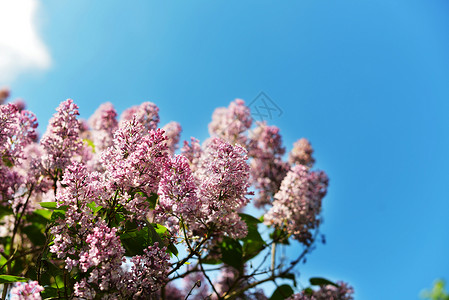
(80, 189)
(193, 152)
(26, 291)
(223, 176)
(146, 114)
(134, 164)
(173, 134)
(101, 260)
(17, 129)
(227, 282)
(327, 292)
(177, 190)
(103, 123)
(297, 205)
(301, 153)
(231, 123)
(149, 271)
(61, 141)
(267, 167)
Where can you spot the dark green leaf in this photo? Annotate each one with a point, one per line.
(290, 276)
(11, 278)
(249, 219)
(308, 291)
(49, 292)
(34, 233)
(282, 292)
(232, 253)
(321, 281)
(48, 205)
(57, 214)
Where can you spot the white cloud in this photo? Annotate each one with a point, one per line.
(21, 48)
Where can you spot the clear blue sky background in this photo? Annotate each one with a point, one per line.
(365, 81)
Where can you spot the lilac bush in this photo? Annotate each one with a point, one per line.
(116, 209)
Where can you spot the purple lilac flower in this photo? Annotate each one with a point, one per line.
(177, 191)
(223, 176)
(61, 141)
(173, 133)
(193, 153)
(149, 271)
(231, 123)
(26, 291)
(301, 153)
(146, 114)
(103, 123)
(267, 167)
(297, 205)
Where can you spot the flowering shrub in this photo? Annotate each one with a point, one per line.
(106, 209)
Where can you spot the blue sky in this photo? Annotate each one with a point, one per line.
(365, 81)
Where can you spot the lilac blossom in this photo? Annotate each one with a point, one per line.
(267, 167)
(223, 177)
(103, 123)
(149, 271)
(147, 114)
(297, 205)
(173, 133)
(301, 153)
(61, 141)
(26, 291)
(193, 152)
(327, 292)
(177, 191)
(232, 122)
(133, 164)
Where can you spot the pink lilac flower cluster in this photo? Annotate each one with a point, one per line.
(61, 141)
(147, 114)
(103, 123)
(223, 178)
(301, 153)
(267, 167)
(192, 152)
(173, 133)
(26, 291)
(177, 193)
(231, 123)
(327, 292)
(149, 271)
(17, 132)
(297, 205)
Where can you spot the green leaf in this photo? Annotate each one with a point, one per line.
(49, 292)
(57, 214)
(282, 292)
(321, 281)
(93, 206)
(290, 276)
(11, 278)
(34, 233)
(5, 211)
(253, 243)
(249, 219)
(232, 253)
(308, 291)
(43, 213)
(48, 205)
